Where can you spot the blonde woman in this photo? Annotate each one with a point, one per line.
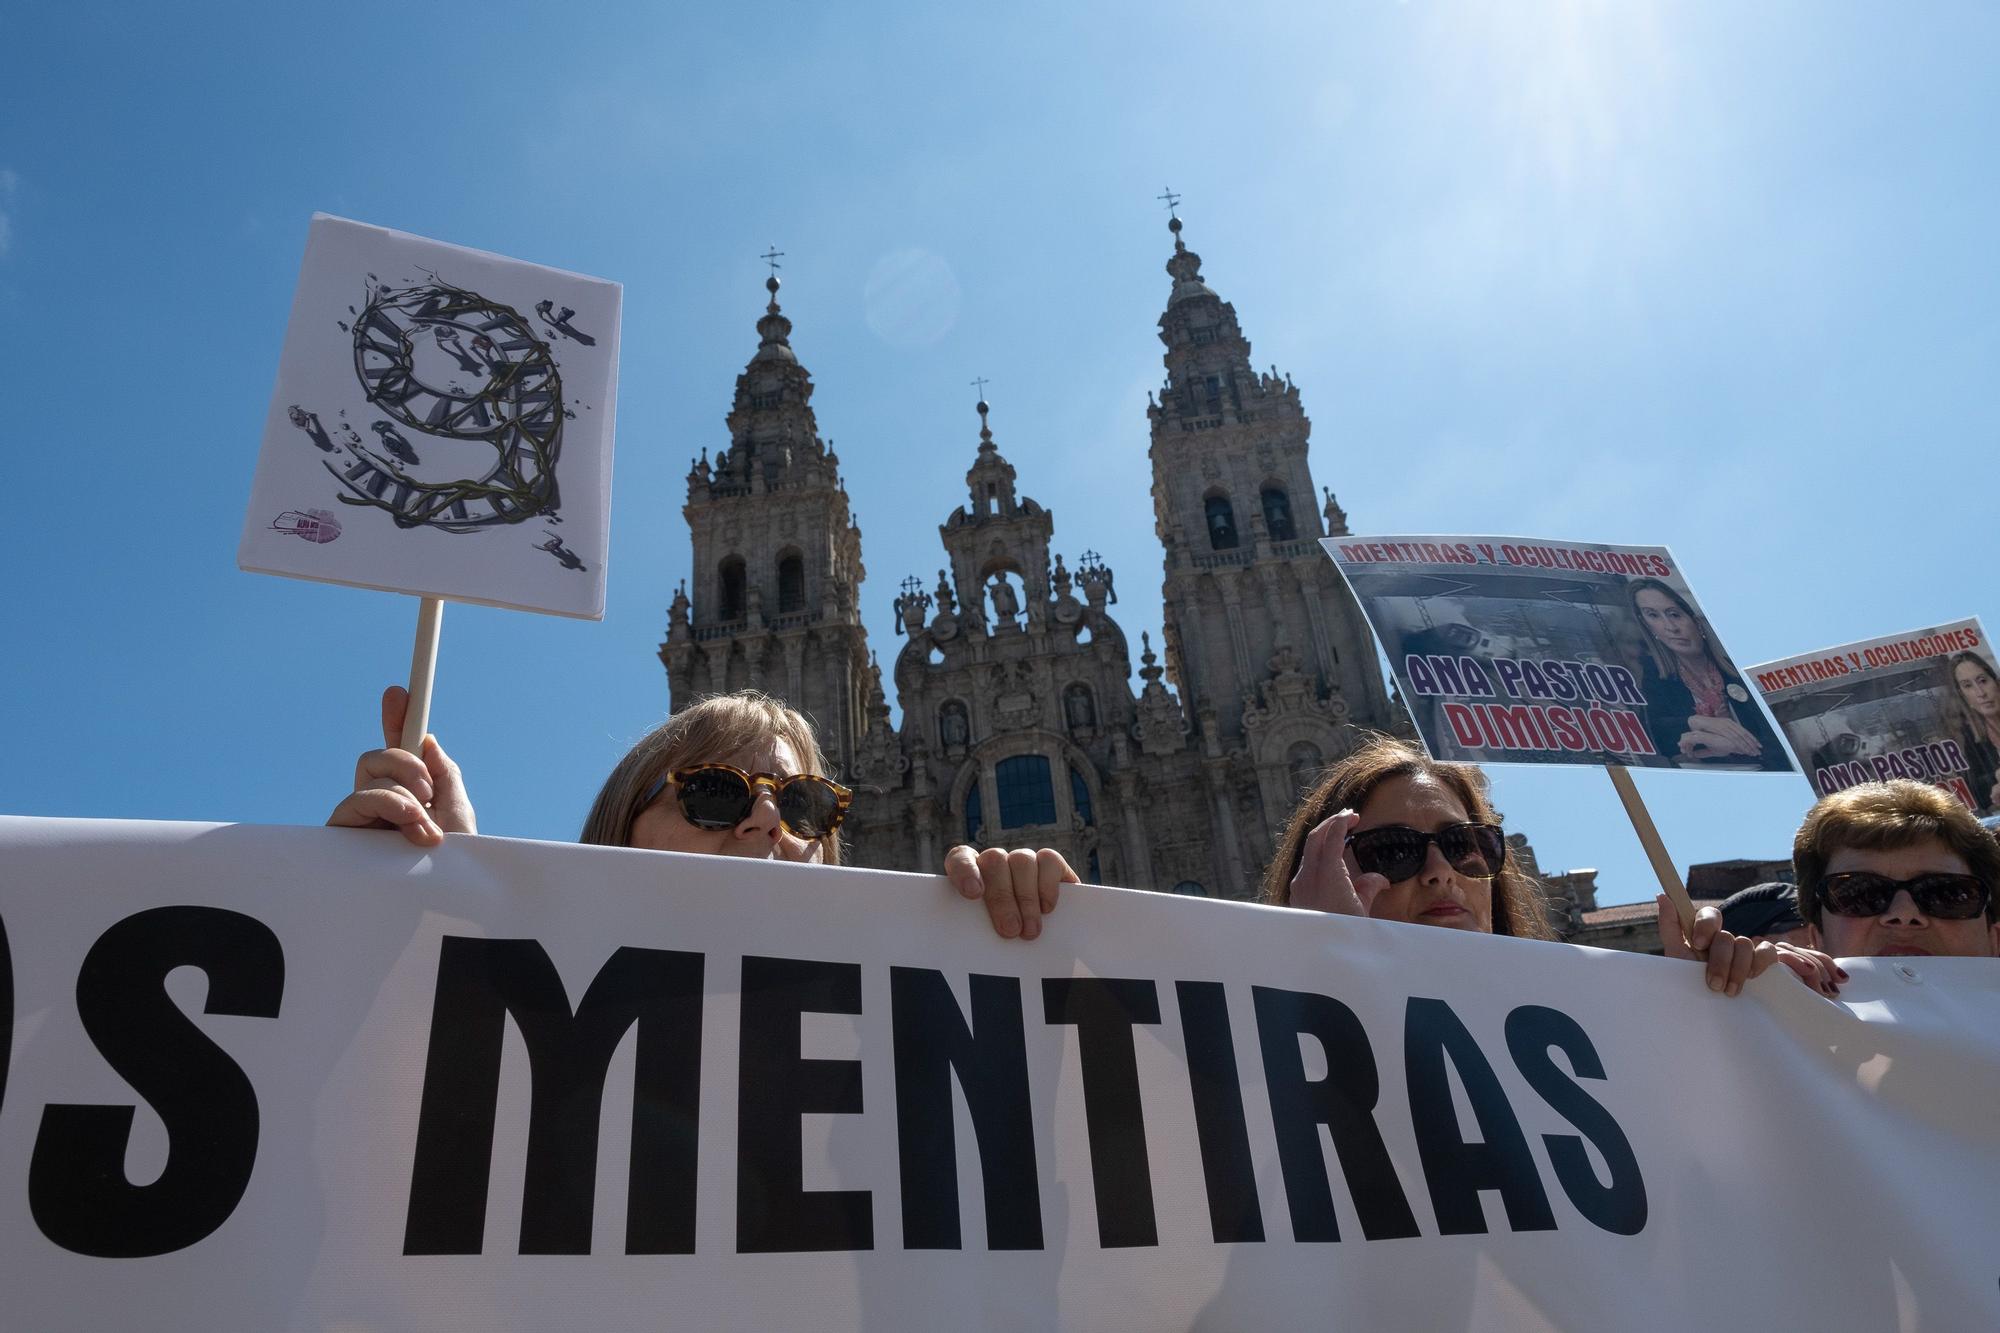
(736, 774)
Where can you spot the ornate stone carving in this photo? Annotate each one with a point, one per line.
(911, 606)
(1162, 729)
(1014, 702)
(878, 760)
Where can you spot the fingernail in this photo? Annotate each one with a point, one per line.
(1715, 983)
(1031, 930)
(1842, 971)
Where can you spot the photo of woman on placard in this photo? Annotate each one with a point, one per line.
(1972, 704)
(1698, 710)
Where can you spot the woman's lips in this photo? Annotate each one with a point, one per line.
(1443, 909)
(1905, 951)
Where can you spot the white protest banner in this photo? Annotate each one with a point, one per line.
(1522, 651)
(1922, 705)
(442, 425)
(316, 1079)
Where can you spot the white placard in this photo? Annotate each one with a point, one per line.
(442, 425)
(317, 1079)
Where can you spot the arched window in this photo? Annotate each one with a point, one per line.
(1187, 888)
(1027, 795)
(733, 603)
(1221, 523)
(1079, 796)
(1278, 515)
(1304, 763)
(974, 815)
(1091, 871)
(791, 584)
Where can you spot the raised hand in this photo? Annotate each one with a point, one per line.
(424, 796)
(1327, 878)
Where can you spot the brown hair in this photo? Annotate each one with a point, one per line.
(1883, 816)
(708, 729)
(1517, 904)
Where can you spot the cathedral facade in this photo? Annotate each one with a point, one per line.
(1021, 724)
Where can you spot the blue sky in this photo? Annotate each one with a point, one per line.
(1713, 276)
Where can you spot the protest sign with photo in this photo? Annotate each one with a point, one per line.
(442, 425)
(1922, 705)
(317, 1079)
(1521, 651)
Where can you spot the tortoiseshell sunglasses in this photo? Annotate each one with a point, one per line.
(719, 796)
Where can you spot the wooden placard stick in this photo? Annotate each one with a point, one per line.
(423, 667)
(1656, 849)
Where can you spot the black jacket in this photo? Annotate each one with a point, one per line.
(1669, 705)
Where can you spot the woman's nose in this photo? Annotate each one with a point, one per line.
(762, 821)
(1436, 869)
(1903, 909)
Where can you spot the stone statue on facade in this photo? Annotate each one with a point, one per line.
(1006, 605)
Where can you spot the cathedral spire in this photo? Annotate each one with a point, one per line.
(1184, 265)
(774, 588)
(991, 477)
(986, 445)
(774, 331)
(774, 439)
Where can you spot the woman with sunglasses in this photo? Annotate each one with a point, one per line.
(732, 775)
(1393, 834)
(1895, 868)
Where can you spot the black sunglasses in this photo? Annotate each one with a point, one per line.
(1864, 893)
(1397, 853)
(719, 796)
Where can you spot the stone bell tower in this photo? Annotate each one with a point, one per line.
(1263, 640)
(777, 557)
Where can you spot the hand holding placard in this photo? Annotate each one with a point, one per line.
(413, 787)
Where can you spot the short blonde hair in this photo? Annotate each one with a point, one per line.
(705, 730)
(1517, 903)
(1883, 816)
